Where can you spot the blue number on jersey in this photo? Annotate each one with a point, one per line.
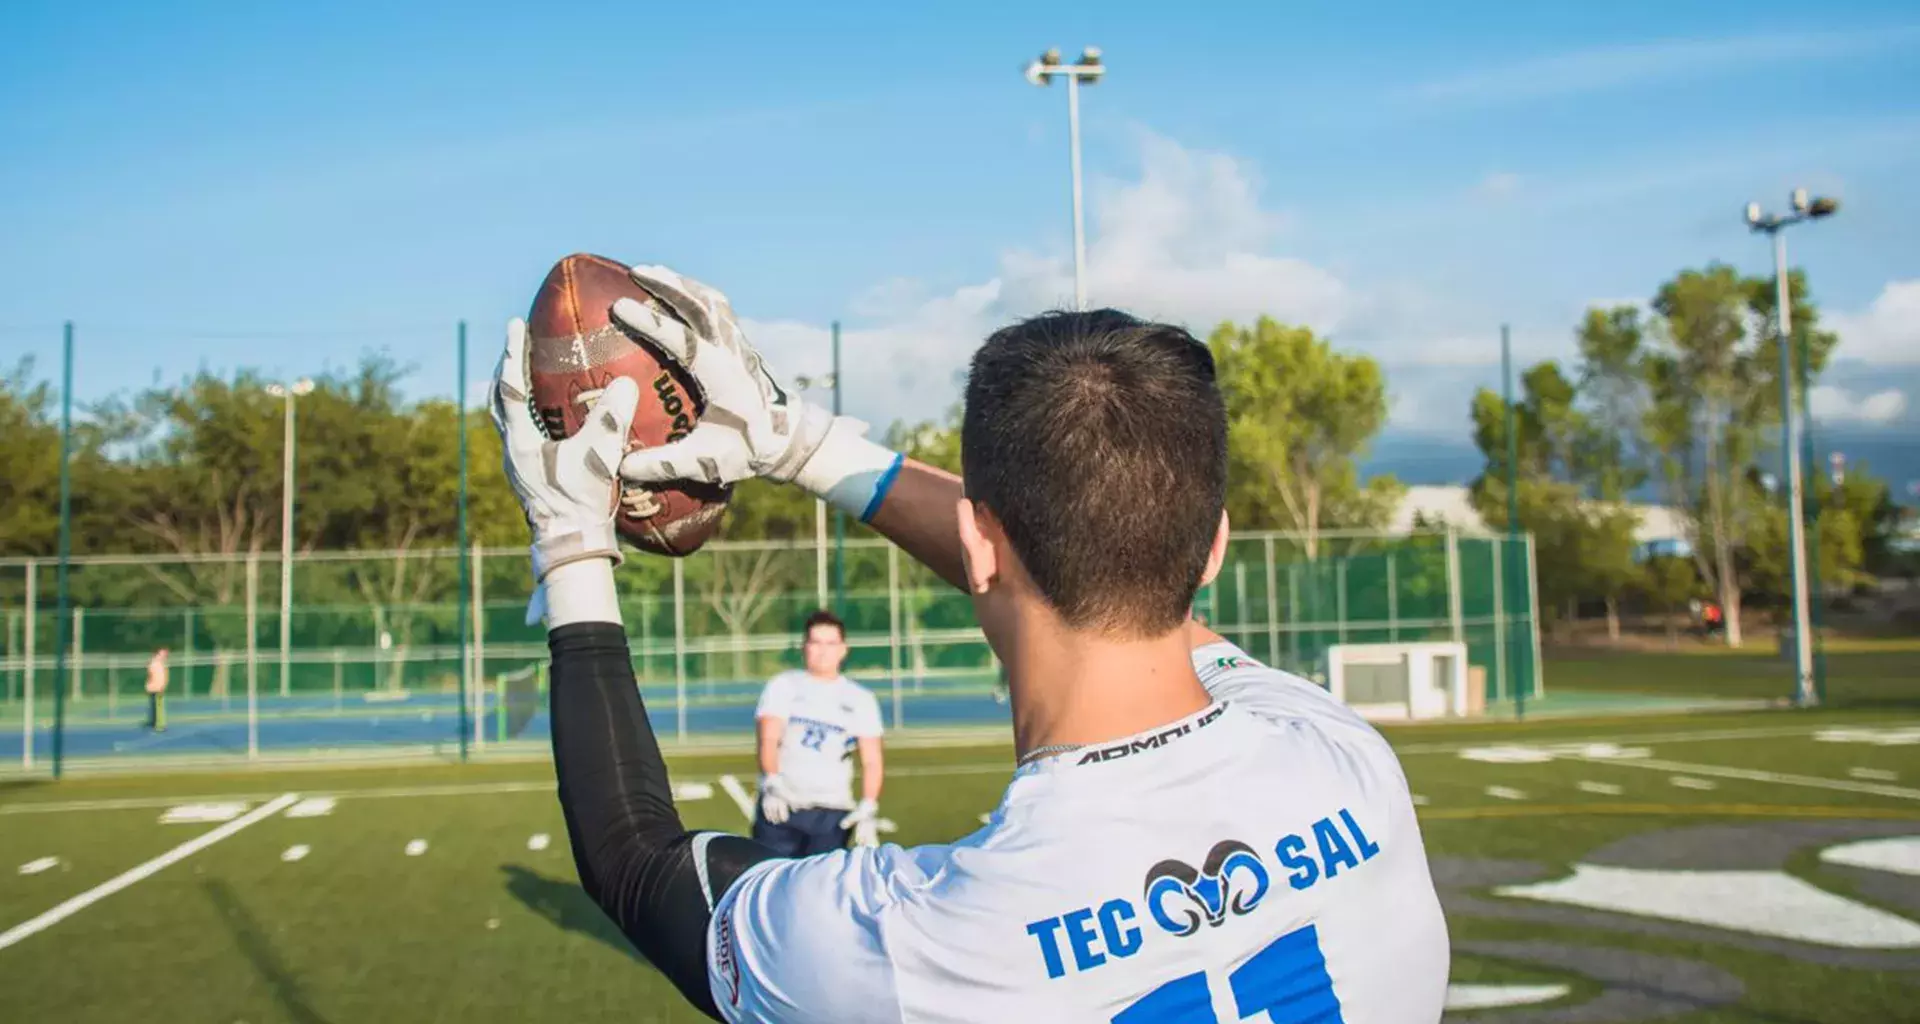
(813, 737)
(1287, 981)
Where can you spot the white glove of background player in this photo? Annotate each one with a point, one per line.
(776, 801)
(752, 425)
(864, 820)
(568, 488)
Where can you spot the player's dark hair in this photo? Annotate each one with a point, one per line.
(1099, 441)
(822, 617)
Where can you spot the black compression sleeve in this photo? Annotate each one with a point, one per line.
(634, 857)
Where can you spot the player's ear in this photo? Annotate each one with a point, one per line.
(1217, 555)
(976, 551)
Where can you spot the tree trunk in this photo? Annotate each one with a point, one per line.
(1613, 619)
(1730, 604)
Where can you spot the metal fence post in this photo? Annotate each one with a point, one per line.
(1340, 596)
(1454, 612)
(186, 653)
(680, 647)
(1240, 600)
(1499, 625)
(33, 612)
(253, 656)
(479, 648)
(893, 627)
(1273, 605)
(77, 689)
(1538, 682)
(1393, 601)
(820, 552)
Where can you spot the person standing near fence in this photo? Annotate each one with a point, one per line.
(809, 724)
(157, 691)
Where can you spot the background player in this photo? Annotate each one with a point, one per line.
(1190, 836)
(810, 721)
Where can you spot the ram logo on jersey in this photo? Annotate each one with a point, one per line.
(1231, 882)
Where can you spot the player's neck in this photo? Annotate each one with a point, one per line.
(1070, 688)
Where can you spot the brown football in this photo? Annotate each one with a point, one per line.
(576, 349)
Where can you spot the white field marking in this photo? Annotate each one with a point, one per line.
(449, 789)
(1752, 775)
(296, 852)
(538, 841)
(416, 847)
(34, 867)
(1906, 737)
(1758, 902)
(1420, 801)
(1523, 754)
(738, 794)
(143, 871)
(1600, 788)
(1512, 754)
(1684, 782)
(885, 826)
(685, 791)
(1873, 774)
(201, 814)
(1900, 854)
(1505, 793)
(312, 807)
(1487, 997)
(1659, 738)
(986, 819)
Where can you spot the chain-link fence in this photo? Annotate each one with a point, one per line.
(357, 652)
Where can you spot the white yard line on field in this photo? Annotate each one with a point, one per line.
(1754, 775)
(144, 871)
(1639, 739)
(446, 789)
(738, 794)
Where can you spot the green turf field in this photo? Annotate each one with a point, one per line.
(329, 918)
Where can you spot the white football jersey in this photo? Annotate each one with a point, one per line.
(1257, 860)
(824, 719)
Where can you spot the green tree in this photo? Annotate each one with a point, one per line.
(1667, 583)
(1299, 415)
(1710, 365)
(1568, 475)
(29, 463)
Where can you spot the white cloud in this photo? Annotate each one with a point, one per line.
(1830, 404)
(1609, 67)
(1498, 185)
(1888, 330)
(1187, 242)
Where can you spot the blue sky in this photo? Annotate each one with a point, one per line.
(286, 186)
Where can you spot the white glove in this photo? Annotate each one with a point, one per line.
(752, 425)
(776, 800)
(568, 488)
(864, 820)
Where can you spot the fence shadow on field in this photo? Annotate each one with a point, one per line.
(251, 938)
(567, 907)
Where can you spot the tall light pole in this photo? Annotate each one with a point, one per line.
(1773, 224)
(1043, 72)
(288, 392)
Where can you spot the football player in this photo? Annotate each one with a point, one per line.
(809, 723)
(1188, 835)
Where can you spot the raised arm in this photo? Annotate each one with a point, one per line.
(657, 881)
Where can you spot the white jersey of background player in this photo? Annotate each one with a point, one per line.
(1189, 836)
(823, 724)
